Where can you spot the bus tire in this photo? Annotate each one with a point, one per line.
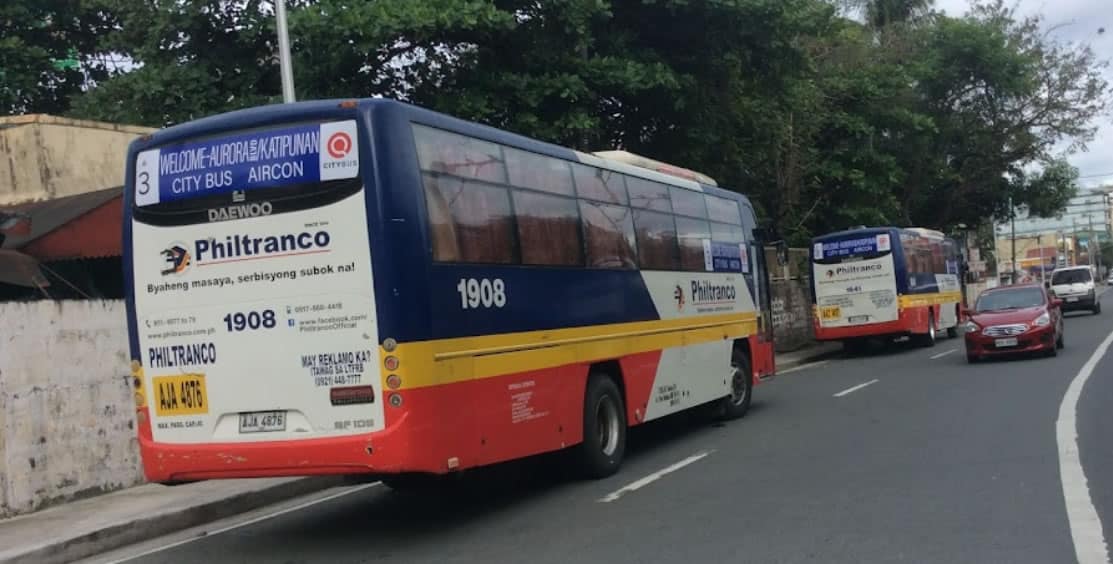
(604, 444)
(737, 403)
(928, 339)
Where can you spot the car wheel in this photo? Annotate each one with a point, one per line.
(1059, 340)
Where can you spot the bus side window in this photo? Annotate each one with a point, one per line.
(609, 236)
(691, 233)
(548, 229)
(480, 220)
(656, 234)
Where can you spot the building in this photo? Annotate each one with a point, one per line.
(1062, 240)
(61, 208)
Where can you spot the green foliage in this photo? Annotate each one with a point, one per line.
(43, 46)
(910, 118)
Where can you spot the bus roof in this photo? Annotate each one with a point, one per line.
(275, 114)
(921, 231)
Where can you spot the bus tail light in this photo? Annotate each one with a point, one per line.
(391, 363)
(394, 381)
(395, 400)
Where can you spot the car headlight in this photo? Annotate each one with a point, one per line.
(971, 327)
(1043, 320)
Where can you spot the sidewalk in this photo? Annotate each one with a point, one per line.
(810, 353)
(92, 526)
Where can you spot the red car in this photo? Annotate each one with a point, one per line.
(1014, 319)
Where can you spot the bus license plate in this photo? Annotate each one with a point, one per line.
(1072, 299)
(827, 313)
(1010, 342)
(262, 421)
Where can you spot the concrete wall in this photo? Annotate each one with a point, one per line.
(44, 157)
(66, 416)
(792, 314)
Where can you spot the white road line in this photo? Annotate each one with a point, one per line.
(639, 484)
(856, 388)
(943, 354)
(1085, 526)
(802, 367)
(251, 521)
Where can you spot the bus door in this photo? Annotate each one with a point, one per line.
(758, 280)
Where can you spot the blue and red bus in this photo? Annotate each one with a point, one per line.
(368, 287)
(885, 282)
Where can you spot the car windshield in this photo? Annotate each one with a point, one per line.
(1078, 276)
(1001, 300)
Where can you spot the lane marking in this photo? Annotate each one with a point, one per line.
(639, 484)
(1085, 525)
(252, 521)
(943, 354)
(856, 388)
(802, 367)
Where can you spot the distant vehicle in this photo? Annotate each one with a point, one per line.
(1014, 319)
(1110, 279)
(368, 287)
(1075, 286)
(885, 282)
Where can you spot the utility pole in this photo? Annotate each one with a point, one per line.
(286, 65)
(1012, 214)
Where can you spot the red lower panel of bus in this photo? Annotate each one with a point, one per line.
(436, 429)
(910, 321)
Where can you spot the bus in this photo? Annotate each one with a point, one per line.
(366, 287)
(885, 282)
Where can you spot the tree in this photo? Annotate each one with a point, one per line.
(47, 54)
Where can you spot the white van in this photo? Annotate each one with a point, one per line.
(1075, 286)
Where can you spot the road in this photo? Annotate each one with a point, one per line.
(933, 460)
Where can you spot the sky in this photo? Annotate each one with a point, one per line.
(1078, 22)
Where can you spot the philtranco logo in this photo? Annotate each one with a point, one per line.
(830, 273)
(678, 295)
(177, 259)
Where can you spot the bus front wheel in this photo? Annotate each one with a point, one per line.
(604, 444)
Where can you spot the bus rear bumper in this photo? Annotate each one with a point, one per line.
(373, 453)
(901, 326)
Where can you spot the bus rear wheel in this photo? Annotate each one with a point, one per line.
(928, 339)
(737, 403)
(604, 444)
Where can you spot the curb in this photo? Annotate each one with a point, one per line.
(820, 351)
(139, 529)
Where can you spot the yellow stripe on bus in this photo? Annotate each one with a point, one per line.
(444, 361)
(921, 300)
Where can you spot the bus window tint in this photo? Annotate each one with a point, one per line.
(648, 194)
(690, 234)
(609, 236)
(656, 234)
(530, 170)
(548, 229)
(441, 151)
(599, 184)
(469, 221)
(688, 202)
(723, 210)
(726, 233)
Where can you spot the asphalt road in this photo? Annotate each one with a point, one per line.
(935, 461)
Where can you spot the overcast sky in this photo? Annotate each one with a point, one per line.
(1079, 21)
